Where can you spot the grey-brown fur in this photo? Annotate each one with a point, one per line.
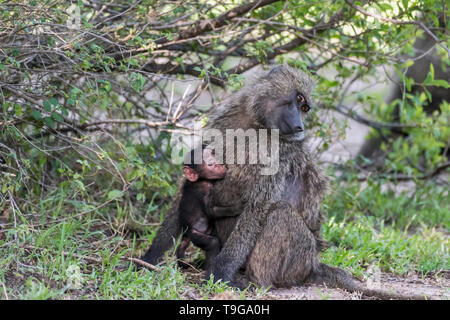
(169, 231)
(270, 225)
(276, 239)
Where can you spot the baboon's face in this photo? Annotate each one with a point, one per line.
(286, 114)
(208, 170)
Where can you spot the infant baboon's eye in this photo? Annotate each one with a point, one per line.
(305, 108)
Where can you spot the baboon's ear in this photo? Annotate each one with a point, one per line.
(190, 174)
(275, 70)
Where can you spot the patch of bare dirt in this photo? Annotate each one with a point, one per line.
(435, 288)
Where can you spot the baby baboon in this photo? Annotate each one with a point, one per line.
(276, 239)
(196, 209)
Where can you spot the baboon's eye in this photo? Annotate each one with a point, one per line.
(300, 98)
(305, 108)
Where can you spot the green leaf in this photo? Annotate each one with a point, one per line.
(64, 111)
(408, 83)
(115, 194)
(47, 106)
(57, 117)
(384, 6)
(36, 115)
(17, 110)
(54, 102)
(49, 122)
(439, 83)
(436, 132)
(405, 4)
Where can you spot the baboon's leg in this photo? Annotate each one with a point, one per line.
(209, 243)
(285, 253)
(181, 250)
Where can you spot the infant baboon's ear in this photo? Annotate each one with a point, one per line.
(190, 174)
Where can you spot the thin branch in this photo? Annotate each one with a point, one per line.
(346, 111)
(308, 34)
(395, 21)
(208, 25)
(404, 177)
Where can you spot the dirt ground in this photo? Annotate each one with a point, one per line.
(431, 288)
(437, 288)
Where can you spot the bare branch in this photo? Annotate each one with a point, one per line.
(223, 19)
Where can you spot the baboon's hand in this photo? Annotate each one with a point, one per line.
(220, 270)
(238, 280)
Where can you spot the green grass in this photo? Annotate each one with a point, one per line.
(59, 254)
(399, 232)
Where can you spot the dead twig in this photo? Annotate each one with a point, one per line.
(144, 264)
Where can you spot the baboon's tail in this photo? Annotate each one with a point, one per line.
(338, 278)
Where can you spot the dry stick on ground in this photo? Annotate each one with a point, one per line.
(144, 264)
(152, 267)
(96, 260)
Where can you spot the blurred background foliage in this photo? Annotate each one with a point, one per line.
(91, 91)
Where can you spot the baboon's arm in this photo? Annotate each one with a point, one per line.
(164, 239)
(256, 208)
(168, 233)
(226, 211)
(240, 243)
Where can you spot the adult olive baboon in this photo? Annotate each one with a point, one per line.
(276, 239)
